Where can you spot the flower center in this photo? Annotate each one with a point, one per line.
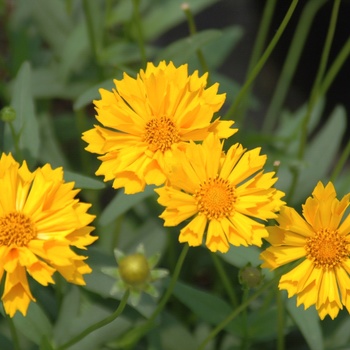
(215, 198)
(327, 248)
(16, 229)
(160, 134)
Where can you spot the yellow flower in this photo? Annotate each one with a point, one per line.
(321, 241)
(144, 118)
(223, 193)
(39, 221)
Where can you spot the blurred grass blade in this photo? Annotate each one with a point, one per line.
(308, 323)
(25, 124)
(82, 181)
(123, 202)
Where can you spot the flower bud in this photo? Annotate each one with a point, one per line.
(134, 270)
(7, 114)
(250, 277)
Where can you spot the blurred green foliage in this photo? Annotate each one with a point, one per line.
(55, 55)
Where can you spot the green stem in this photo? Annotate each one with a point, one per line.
(140, 39)
(335, 68)
(341, 162)
(315, 94)
(245, 341)
(90, 28)
(171, 285)
(291, 62)
(261, 62)
(236, 312)
(258, 48)
(225, 280)
(15, 137)
(193, 30)
(99, 324)
(280, 321)
(136, 333)
(319, 76)
(14, 335)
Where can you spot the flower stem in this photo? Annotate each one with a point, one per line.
(140, 39)
(137, 332)
(232, 110)
(335, 67)
(99, 324)
(258, 49)
(315, 94)
(280, 321)
(171, 286)
(15, 137)
(225, 281)
(235, 313)
(15, 340)
(341, 162)
(320, 73)
(245, 340)
(90, 28)
(193, 30)
(291, 62)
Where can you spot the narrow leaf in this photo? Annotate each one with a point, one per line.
(25, 125)
(308, 323)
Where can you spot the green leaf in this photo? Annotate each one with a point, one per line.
(151, 234)
(218, 50)
(46, 344)
(90, 313)
(340, 337)
(207, 306)
(92, 93)
(181, 50)
(46, 83)
(120, 13)
(35, 325)
(25, 125)
(166, 14)
(6, 344)
(68, 311)
(52, 22)
(94, 14)
(51, 150)
(120, 53)
(308, 323)
(290, 127)
(321, 153)
(82, 181)
(75, 51)
(121, 203)
(174, 335)
(241, 256)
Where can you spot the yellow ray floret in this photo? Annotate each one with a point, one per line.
(40, 221)
(142, 120)
(221, 194)
(321, 242)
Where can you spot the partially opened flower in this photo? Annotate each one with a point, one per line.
(40, 222)
(322, 243)
(135, 273)
(222, 194)
(144, 117)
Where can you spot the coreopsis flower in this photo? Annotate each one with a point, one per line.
(223, 194)
(143, 118)
(135, 273)
(40, 220)
(321, 241)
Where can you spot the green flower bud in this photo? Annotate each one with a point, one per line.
(134, 270)
(250, 277)
(8, 114)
